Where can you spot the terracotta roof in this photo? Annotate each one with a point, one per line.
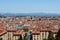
(19, 32)
(2, 32)
(34, 31)
(11, 29)
(45, 28)
(42, 25)
(54, 31)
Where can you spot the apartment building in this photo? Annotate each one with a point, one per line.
(14, 34)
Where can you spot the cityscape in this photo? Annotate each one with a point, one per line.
(29, 19)
(12, 27)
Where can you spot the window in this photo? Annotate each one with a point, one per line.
(42, 34)
(9, 36)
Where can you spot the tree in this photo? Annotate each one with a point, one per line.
(44, 39)
(50, 36)
(28, 33)
(25, 28)
(25, 36)
(20, 38)
(0, 38)
(58, 35)
(31, 36)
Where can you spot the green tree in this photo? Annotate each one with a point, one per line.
(0, 38)
(50, 36)
(25, 28)
(20, 38)
(44, 39)
(58, 35)
(25, 36)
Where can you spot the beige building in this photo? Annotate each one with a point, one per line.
(14, 34)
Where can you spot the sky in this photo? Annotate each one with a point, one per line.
(29, 6)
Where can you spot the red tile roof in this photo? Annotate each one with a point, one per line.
(19, 32)
(2, 32)
(40, 25)
(11, 29)
(34, 31)
(54, 31)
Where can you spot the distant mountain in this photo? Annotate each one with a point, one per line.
(1, 14)
(29, 14)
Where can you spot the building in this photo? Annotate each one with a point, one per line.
(41, 27)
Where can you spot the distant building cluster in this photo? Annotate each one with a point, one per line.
(41, 27)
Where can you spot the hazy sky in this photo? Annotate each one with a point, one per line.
(30, 6)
